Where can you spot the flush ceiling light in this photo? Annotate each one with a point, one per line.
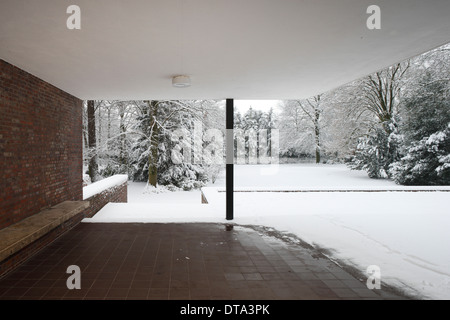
(181, 81)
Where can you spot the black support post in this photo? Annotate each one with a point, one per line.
(229, 159)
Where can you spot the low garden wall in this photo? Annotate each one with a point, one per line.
(38, 231)
(99, 194)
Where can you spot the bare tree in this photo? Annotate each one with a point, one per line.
(301, 123)
(380, 92)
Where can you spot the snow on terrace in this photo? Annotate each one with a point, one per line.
(404, 233)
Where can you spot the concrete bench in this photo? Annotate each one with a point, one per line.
(17, 236)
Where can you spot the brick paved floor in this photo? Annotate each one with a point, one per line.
(182, 262)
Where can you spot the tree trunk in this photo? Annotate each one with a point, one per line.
(93, 166)
(85, 138)
(317, 144)
(99, 117)
(317, 154)
(122, 130)
(109, 123)
(317, 128)
(154, 142)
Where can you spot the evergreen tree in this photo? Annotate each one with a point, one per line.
(426, 121)
(427, 162)
(140, 149)
(378, 151)
(152, 150)
(427, 110)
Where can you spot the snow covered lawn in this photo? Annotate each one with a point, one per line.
(404, 233)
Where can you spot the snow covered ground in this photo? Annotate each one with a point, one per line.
(404, 233)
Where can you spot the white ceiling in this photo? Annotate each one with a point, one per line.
(242, 49)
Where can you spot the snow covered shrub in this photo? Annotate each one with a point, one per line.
(291, 153)
(185, 176)
(213, 171)
(113, 168)
(377, 152)
(427, 162)
(160, 189)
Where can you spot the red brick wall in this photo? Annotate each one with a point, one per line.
(40, 145)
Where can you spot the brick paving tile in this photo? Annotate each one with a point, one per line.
(197, 261)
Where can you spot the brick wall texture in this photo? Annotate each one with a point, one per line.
(115, 194)
(40, 145)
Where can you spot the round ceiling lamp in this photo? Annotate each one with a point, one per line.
(181, 81)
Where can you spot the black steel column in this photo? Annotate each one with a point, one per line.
(229, 159)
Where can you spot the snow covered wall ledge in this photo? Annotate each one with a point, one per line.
(100, 193)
